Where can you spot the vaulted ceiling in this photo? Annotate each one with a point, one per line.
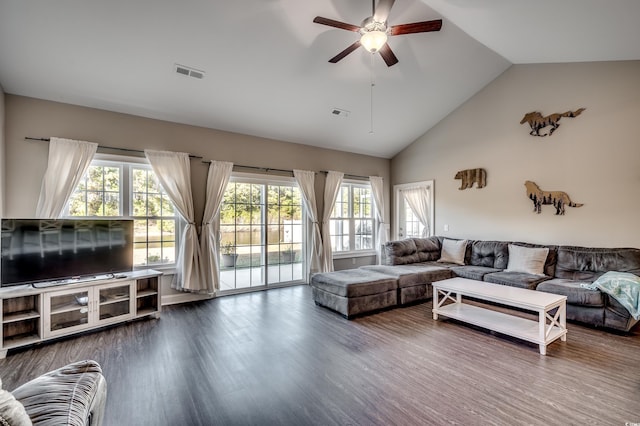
(265, 61)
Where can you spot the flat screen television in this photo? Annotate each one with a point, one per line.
(40, 251)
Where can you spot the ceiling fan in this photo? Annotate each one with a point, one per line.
(374, 31)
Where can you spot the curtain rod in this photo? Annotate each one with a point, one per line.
(348, 176)
(107, 147)
(266, 169)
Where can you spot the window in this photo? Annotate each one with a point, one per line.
(352, 219)
(408, 224)
(262, 233)
(98, 193)
(413, 228)
(130, 191)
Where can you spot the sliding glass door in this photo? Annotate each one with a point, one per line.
(262, 233)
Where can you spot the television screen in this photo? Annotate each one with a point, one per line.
(42, 250)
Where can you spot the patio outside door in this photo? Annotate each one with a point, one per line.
(262, 234)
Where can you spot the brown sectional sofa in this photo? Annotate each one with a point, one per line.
(413, 265)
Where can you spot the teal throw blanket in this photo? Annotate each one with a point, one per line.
(622, 286)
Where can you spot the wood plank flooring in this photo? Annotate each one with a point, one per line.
(274, 358)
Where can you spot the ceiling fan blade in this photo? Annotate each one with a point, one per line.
(388, 55)
(382, 10)
(345, 52)
(335, 24)
(416, 27)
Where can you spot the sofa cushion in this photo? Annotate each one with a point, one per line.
(413, 294)
(354, 282)
(491, 254)
(453, 251)
(412, 275)
(352, 306)
(428, 249)
(576, 295)
(593, 316)
(401, 252)
(529, 260)
(12, 412)
(587, 264)
(72, 395)
(516, 279)
(617, 316)
(473, 272)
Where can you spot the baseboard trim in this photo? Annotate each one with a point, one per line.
(174, 299)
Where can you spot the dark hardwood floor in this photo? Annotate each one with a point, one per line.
(274, 358)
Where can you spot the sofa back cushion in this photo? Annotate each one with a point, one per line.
(428, 249)
(412, 250)
(491, 254)
(401, 252)
(587, 264)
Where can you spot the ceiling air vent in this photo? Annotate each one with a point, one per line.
(189, 72)
(340, 112)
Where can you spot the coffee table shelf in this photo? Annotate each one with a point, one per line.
(547, 329)
(510, 325)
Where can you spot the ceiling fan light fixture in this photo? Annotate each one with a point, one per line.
(374, 32)
(373, 41)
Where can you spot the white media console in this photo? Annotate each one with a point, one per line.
(31, 314)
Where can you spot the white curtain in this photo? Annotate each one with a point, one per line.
(219, 173)
(418, 199)
(68, 162)
(173, 170)
(382, 236)
(331, 189)
(306, 181)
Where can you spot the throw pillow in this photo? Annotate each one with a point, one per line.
(527, 259)
(453, 251)
(12, 412)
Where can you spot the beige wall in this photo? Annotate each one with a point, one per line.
(595, 157)
(26, 160)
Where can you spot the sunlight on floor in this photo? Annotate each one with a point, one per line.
(231, 278)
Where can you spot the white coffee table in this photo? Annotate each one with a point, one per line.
(544, 331)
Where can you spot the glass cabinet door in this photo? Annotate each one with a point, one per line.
(114, 301)
(69, 309)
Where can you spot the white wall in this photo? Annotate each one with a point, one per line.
(595, 157)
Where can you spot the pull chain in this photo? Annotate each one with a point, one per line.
(371, 98)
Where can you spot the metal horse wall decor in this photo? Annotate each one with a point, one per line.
(537, 121)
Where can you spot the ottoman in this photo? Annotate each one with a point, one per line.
(353, 292)
(414, 280)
